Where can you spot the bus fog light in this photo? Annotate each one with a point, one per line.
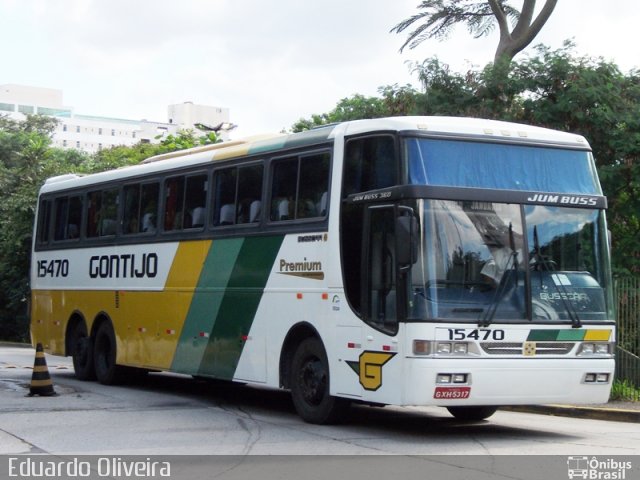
(421, 347)
(443, 378)
(444, 348)
(460, 378)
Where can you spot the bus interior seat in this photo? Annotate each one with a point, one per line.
(148, 222)
(283, 210)
(227, 215)
(254, 211)
(197, 217)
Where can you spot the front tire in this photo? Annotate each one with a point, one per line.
(310, 385)
(104, 356)
(472, 414)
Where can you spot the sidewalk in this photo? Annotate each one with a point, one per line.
(612, 411)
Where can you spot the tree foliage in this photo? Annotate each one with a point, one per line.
(518, 28)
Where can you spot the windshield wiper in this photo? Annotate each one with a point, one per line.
(556, 280)
(512, 264)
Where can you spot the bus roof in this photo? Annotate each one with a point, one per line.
(447, 126)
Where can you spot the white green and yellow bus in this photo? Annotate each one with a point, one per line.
(454, 262)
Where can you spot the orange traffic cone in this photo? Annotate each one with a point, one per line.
(41, 383)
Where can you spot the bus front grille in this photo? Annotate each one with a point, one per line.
(541, 348)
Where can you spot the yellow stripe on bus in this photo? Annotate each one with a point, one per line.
(597, 335)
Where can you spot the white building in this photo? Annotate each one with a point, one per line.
(92, 133)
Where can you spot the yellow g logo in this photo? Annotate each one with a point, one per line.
(369, 368)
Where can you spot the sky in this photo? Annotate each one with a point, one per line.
(271, 62)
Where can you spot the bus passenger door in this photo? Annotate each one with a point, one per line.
(382, 291)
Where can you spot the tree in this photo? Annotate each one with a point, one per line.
(480, 16)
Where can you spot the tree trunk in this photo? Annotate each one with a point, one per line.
(513, 42)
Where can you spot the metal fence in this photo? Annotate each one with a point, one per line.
(627, 291)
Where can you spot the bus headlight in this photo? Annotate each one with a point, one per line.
(428, 347)
(599, 349)
(449, 348)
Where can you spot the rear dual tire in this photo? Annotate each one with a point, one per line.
(82, 353)
(104, 356)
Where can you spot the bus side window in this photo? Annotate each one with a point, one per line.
(174, 203)
(131, 209)
(194, 201)
(149, 207)
(314, 182)
(283, 189)
(102, 213)
(140, 211)
(44, 221)
(298, 186)
(61, 210)
(224, 204)
(370, 163)
(249, 203)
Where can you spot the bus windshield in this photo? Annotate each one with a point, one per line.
(457, 163)
(484, 261)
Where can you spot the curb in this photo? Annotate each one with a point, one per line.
(7, 343)
(593, 413)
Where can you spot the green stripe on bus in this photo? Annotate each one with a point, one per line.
(239, 305)
(556, 335)
(212, 284)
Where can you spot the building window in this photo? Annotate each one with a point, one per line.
(78, 129)
(26, 109)
(7, 107)
(113, 132)
(100, 131)
(64, 127)
(77, 144)
(64, 143)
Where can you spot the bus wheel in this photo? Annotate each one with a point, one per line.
(471, 414)
(310, 385)
(104, 356)
(82, 353)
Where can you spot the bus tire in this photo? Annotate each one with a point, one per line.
(472, 414)
(104, 356)
(310, 385)
(82, 353)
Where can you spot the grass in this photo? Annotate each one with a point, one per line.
(624, 391)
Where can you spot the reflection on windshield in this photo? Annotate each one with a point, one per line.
(474, 264)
